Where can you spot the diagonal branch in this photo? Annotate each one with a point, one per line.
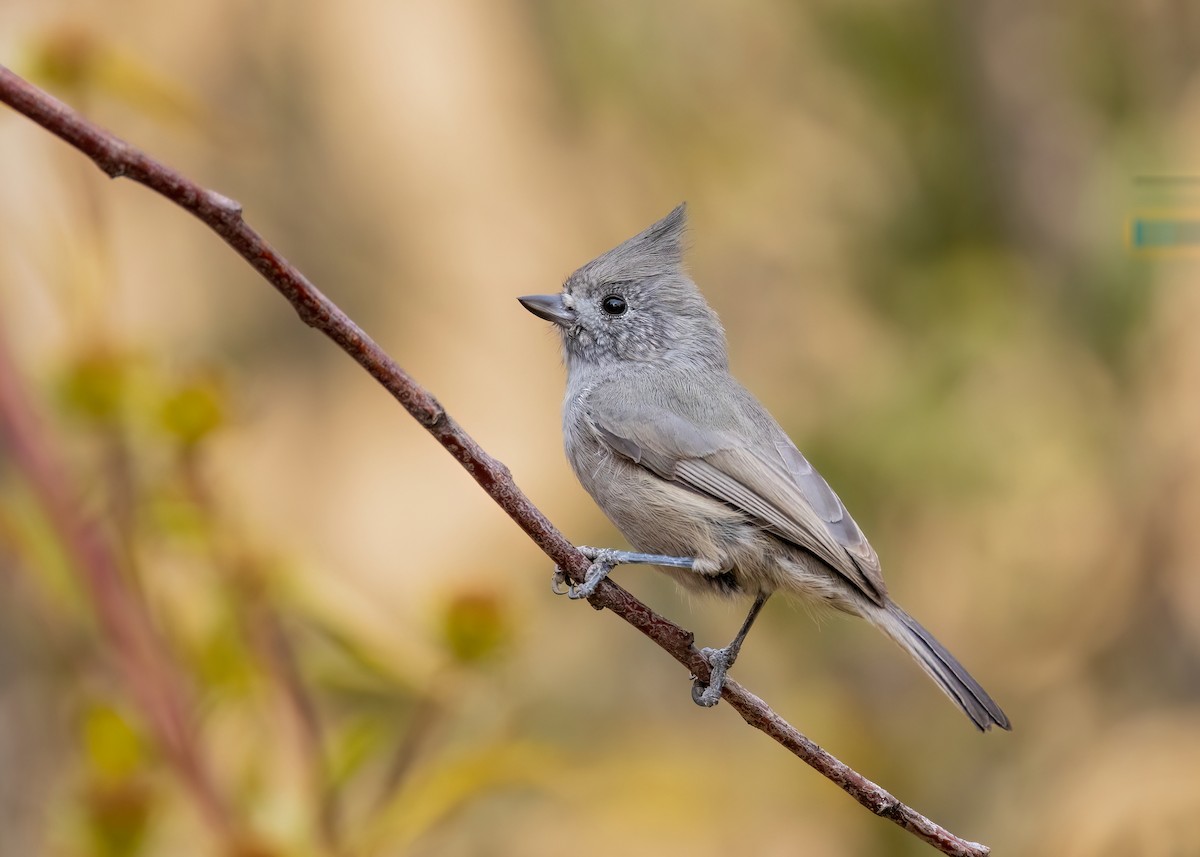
(224, 216)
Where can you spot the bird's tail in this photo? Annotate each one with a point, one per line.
(942, 667)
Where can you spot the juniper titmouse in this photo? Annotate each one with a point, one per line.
(693, 470)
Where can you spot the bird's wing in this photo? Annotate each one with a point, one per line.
(771, 483)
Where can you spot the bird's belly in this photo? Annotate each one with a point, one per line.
(658, 516)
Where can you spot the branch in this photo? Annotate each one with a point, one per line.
(224, 216)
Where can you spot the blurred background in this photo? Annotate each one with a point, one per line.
(250, 608)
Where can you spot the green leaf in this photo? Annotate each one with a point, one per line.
(114, 749)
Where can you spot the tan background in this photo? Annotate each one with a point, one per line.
(911, 218)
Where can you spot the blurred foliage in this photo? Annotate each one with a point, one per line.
(305, 693)
(475, 627)
(910, 217)
(118, 798)
(94, 388)
(193, 412)
(80, 63)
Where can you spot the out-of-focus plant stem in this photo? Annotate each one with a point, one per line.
(267, 635)
(224, 216)
(270, 640)
(139, 653)
(421, 727)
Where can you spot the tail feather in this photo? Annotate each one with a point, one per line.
(941, 666)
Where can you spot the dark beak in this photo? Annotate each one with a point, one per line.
(549, 307)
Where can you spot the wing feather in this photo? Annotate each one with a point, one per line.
(773, 484)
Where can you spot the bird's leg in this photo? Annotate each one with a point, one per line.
(605, 560)
(720, 660)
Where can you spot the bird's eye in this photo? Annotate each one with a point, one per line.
(614, 305)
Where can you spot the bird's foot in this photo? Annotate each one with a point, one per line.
(603, 562)
(719, 662)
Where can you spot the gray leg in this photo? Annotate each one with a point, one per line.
(720, 660)
(605, 560)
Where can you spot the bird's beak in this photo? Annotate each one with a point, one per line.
(549, 307)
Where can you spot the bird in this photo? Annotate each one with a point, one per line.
(695, 472)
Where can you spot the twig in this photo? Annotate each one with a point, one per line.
(224, 216)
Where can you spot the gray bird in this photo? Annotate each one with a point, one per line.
(695, 472)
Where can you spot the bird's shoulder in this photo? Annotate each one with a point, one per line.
(672, 413)
(710, 400)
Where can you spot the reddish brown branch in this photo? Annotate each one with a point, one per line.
(117, 158)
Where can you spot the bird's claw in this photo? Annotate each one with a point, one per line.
(558, 581)
(603, 562)
(718, 663)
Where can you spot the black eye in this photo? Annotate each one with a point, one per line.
(614, 305)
